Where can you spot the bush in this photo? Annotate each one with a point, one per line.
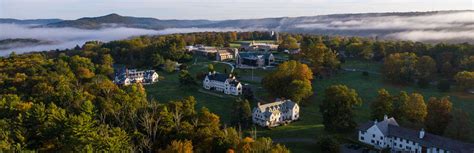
(444, 85)
(328, 144)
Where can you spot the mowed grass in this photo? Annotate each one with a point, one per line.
(310, 124)
(169, 89)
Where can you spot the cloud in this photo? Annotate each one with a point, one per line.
(433, 26)
(63, 38)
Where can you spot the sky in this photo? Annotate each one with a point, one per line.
(215, 9)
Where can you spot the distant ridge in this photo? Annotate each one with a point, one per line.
(29, 21)
(115, 20)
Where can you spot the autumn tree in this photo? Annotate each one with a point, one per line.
(465, 80)
(400, 103)
(179, 146)
(400, 67)
(415, 109)
(337, 108)
(425, 69)
(291, 80)
(383, 105)
(169, 66)
(439, 115)
(289, 43)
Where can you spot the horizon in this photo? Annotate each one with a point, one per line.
(125, 15)
(216, 10)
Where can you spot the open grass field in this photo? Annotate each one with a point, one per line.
(310, 126)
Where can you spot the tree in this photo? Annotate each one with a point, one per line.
(289, 43)
(439, 115)
(157, 59)
(337, 108)
(328, 144)
(460, 126)
(383, 105)
(179, 146)
(399, 105)
(210, 68)
(425, 69)
(185, 79)
(169, 66)
(400, 67)
(465, 80)
(241, 113)
(416, 109)
(290, 80)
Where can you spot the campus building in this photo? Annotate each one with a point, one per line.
(275, 113)
(126, 77)
(253, 46)
(388, 134)
(254, 59)
(223, 83)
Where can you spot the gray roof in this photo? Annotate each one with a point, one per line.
(390, 128)
(218, 77)
(282, 105)
(254, 55)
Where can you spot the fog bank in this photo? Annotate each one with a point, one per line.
(63, 38)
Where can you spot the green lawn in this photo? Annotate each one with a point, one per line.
(257, 41)
(310, 124)
(169, 89)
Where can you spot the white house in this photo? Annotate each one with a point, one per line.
(223, 83)
(254, 46)
(127, 77)
(275, 113)
(388, 134)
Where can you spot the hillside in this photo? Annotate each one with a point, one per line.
(115, 20)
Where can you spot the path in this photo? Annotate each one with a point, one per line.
(230, 64)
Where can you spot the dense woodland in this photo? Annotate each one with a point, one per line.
(65, 100)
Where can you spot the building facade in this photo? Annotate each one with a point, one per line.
(388, 134)
(223, 83)
(254, 59)
(254, 46)
(226, 54)
(129, 76)
(275, 113)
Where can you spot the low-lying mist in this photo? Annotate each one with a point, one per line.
(430, 27)
(63, 38)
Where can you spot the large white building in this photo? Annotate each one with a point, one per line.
(275, 113)
(127, 77)
(388, 134)
(223, 83)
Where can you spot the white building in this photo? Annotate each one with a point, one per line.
(275, 113)
(223, 83)
(127, 77)
(388, 134)
(254, 46)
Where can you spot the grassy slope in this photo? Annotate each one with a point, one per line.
(310, 125)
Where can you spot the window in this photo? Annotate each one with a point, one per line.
(373, 135)
(361, 138)
(381, 138)
(372, 141)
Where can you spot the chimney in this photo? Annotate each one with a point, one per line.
(375, 122)
(422, 133)
(210, 73)
(258, 104)
(385, 117)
